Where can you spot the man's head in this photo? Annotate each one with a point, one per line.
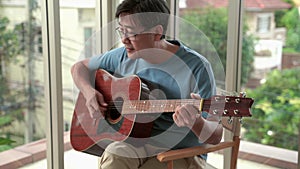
(142, 26)
(156, 12)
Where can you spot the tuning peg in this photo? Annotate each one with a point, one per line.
(215, 112)
(241, 120)
(227, 99)
(236, 112)
(242, 94)
(217, 99)
(225, 112)
(230, 120)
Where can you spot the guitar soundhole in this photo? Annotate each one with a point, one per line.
(115, 109)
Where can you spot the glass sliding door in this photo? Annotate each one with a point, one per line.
(22, 100)
(203, 27)
(86, 30)
(77, 26)
(274, 79)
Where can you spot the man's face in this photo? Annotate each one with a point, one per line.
(134, 36)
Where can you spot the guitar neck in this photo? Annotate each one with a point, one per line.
(156, 106)
(217, 105)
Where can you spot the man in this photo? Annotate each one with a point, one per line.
(179, 73)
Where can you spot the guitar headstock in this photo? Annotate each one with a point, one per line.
(230, 106)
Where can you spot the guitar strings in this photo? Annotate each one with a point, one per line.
(147, 104)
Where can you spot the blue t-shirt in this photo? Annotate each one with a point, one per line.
(185, 72)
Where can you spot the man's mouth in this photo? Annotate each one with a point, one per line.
(129, 49)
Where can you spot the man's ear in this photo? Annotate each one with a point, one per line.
(158, 32)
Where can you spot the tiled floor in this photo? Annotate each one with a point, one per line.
(217, 161)
(73, 160)
(77, 160)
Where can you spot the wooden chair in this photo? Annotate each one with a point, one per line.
(231, 124)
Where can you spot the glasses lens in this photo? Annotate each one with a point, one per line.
(122, 34)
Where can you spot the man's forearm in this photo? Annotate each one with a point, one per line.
(208, 132)
(81, 77)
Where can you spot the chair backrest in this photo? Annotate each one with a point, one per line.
(233, 125)
(232, 132)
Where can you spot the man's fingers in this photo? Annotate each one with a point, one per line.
(101, 100)
(185, 116)
(95, 109)
(195, 96)
(177, 120)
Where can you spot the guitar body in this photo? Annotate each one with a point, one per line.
(93, 135)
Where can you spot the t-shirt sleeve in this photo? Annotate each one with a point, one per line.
(108, 61)
(206, 85)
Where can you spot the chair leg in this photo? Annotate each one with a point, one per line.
(170, 164)
(235, 152)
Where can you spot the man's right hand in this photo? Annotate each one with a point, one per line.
(94, 99)
(95, 104)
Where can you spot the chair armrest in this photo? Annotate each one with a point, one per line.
(192, 151)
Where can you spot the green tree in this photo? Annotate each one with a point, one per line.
(9, 49)
(213, 23)
(18, 104)
(276, 110)
(280, 13)
(291, 20)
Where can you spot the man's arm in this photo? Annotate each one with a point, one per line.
(207, 130)
(94, 100)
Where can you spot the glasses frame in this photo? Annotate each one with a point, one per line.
(129, 35)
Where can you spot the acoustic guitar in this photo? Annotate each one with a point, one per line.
(130, 108)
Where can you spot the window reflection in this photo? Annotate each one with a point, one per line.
(273, 82)
(267, 75)
(77, 25)
(208, 24)
(22, 113)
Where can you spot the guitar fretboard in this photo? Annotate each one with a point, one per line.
(155, 106)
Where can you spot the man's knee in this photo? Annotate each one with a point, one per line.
(125, 150)
(119, 155)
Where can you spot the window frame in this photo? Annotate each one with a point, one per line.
(53, 83)
(104, 13)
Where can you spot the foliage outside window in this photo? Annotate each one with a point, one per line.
(213, 23)
(291, 20)
(276, 110)
(18, 97)
(9, 49)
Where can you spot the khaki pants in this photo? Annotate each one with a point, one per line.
(119, 155)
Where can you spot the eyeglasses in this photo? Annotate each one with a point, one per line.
(130, 35)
